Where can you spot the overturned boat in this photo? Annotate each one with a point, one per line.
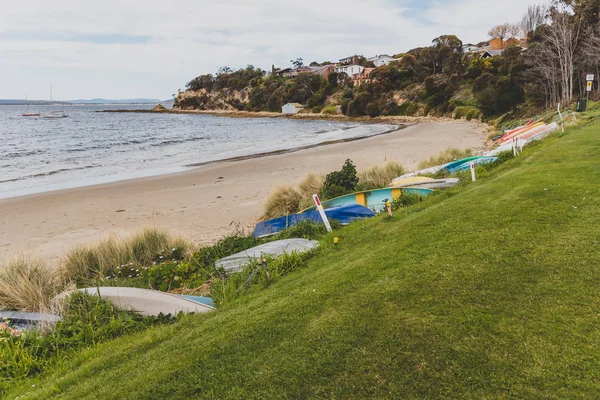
(238, 261)
(144, 301)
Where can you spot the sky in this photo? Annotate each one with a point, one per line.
(120, 49)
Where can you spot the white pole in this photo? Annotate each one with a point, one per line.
(473, 171)
(322, 213)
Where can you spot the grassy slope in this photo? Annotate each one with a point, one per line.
(492, 293)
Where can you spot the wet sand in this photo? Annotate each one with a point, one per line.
(207, 202)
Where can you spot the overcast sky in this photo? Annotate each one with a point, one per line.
(150, 48)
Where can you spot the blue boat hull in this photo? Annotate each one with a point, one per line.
(344, 214)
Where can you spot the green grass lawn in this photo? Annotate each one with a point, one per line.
(492, 291)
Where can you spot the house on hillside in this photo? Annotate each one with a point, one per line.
(470, 48)
(324, 70)
(363, 77)
(491, 53)
(350, 60)
(292, 108)
(293, 72)
(351, 70)
(381, 60)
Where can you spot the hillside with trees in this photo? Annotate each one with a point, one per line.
(543, 61)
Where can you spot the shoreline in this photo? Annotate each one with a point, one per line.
(390, 119)
(205, 202)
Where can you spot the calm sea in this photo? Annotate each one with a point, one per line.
(38, 155)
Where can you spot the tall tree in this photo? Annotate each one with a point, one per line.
(535, 16)
(501, 32)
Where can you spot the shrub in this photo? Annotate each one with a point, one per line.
(284, 200)
(444, 157)
(28, 285)
(467, 113)
(379, 177)
(142, 249)
(316, 109)
(340, 182)
(330, 110)
(407, 199)
(311, 184)
(408, 108)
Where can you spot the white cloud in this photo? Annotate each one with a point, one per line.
(43, 41)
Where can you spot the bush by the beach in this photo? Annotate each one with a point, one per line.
(445, 156)
(86, 321)
(379, 176)
(339, 183)
(330, 110)
(147, 246)
(311, 184)
(28, 285)
(284, 200)
(467, 112)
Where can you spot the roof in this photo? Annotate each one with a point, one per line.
(295, 105)
(491, 53)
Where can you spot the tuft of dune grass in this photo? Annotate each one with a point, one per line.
(95, 262)
(311, 184)
(379, 176)
(284, 200)
(28, 285)
(445, 157)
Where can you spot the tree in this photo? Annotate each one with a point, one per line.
(298, 62)
(501, 32)
(534, 17)
(224, 70)
(588, 11)
(339, 183)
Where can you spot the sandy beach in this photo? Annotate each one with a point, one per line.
(204, 203)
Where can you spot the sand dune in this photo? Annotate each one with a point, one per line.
(207, 202)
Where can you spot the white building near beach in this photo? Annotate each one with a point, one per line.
(381, 60)
(292, 108)
(350, 69)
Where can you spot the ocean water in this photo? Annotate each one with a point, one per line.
(38, 155)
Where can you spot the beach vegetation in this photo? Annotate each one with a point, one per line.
(467, 112)
(379, 176)
(445, 157)
(27, 284)
(148, 246)
(283, 200)
(338, 183)
(311, 184)
(330, 110)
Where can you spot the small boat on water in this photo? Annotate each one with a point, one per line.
(30, 115)
(344, 215)
(146, 302)
(237, 261)
(55, 114)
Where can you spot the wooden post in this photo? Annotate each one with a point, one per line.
(264, 262)
(473, 171)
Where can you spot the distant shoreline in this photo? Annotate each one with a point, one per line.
(393, 119)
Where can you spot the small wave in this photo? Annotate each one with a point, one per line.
(177, 141)
(19, 154)
(50, 173)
